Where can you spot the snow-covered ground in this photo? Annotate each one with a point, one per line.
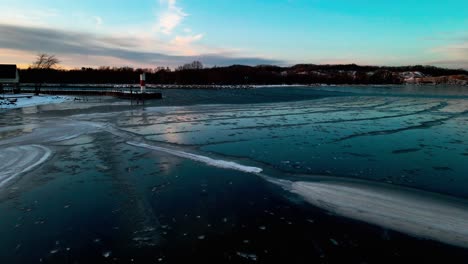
(25, 100)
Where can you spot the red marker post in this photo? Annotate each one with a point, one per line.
(143, 82)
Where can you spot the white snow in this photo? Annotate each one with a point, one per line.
(26, 100)
(217, 163)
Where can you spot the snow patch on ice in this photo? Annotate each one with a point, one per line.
(212, 162)
(18, 160)
(409, 211)
(23, 100)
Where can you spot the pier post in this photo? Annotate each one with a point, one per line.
(143, 82)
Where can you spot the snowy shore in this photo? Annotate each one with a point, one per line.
(12, 101)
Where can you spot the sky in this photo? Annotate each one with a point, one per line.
(152, 33)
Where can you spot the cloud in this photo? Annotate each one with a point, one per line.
(97, 20)
(27, 16)
(186, 40)
(455, 50)
(452, 51)
(453, 64)
(184, 43)
(454, 55)
(68, 44)
(171, 16)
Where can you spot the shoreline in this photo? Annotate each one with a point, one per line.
(30, 87)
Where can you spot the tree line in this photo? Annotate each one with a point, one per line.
(195, 73)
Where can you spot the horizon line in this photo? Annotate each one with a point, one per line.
(24, 67)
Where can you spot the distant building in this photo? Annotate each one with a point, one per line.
(9, 74)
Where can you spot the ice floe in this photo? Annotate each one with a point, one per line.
(107, 254)
(247, 256)
(409, 211)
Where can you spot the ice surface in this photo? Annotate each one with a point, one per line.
(369, 137)
(406, 210)
(54, 131)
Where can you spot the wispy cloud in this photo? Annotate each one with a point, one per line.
(87, 48)
(454, 50)
(184, 40)
(453, 64)
(170, 35)
(169, 17)
(454, 54)
(27, 17)
(184, 43)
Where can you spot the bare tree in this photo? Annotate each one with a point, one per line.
(195, 65)
(44, 62)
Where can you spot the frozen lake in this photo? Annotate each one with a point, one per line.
(294, 174)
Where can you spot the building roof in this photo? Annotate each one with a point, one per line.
(8, 73)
